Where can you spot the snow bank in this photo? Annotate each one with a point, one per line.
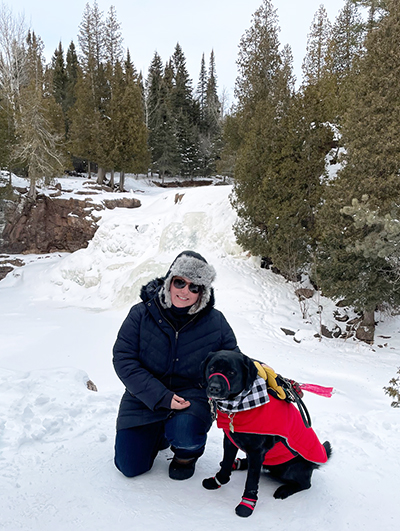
(59, 316)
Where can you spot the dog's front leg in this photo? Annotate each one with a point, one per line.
(250, 494)
(223, 476)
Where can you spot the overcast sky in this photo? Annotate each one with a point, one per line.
(199, 26)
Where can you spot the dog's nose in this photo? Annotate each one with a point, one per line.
(214, 388)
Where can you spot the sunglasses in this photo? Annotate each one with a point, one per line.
(179, 283)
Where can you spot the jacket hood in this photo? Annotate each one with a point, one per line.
(149, 290)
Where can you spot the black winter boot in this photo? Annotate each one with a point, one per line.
(182, 468)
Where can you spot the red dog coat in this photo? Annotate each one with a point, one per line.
(277, 417)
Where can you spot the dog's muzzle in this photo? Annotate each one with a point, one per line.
(218, 385)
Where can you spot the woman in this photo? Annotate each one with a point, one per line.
(157, 356)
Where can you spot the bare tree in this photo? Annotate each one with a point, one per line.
(225, 100)
(12, 55)
(12, 77)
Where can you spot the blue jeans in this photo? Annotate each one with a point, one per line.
(136, 448)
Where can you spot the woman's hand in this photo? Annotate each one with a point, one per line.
(179, 403)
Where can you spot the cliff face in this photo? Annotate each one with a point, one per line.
(52, 224)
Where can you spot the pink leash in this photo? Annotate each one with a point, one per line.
(318, 389)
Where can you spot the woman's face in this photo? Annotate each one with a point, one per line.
(181, 298)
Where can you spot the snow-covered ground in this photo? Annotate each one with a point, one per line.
(59, 316)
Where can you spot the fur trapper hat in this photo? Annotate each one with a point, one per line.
(194, 267)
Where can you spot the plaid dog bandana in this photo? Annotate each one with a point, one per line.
(256, 396)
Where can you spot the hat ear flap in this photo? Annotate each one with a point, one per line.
(250, 372)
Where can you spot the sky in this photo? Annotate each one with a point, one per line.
(199, 27)
(59, 318)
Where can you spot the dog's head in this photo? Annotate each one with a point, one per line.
(227, 373)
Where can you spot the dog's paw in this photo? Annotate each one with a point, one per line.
(245, 507)
(284, 491)
(281, 493)
(211, 483)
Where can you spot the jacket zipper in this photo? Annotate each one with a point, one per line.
(177, 332)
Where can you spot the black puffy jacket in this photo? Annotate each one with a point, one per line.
(154, 361)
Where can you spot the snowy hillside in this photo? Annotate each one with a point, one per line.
(59, 316)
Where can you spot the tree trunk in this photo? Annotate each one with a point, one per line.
(32, 190)
(121, 181)
(111, 183)
(101, 172)
(366, 329)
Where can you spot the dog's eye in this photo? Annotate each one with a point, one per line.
(231, 373)
(211, 370)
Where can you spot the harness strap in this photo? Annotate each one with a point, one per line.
(293, 396)
(285, 392)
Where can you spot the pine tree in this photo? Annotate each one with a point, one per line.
(113, 47)
(210, 127)
(71, 74)
(59, 82)
(258, 62)
(128, 138)
(280, 153)
(91, 39)
(317, 84)
(213, 105)
(258, 58)
(345, 45)
(111, 54)
(317, 46)
(201, 95)
(182, 96)
(91, 43)
(369, 177)
(168, 157)
(39, 140)
(160, 118)
(154, 108)
(59, 76)
(85, 123)
(153, 93)
(92, 31)
(71, 71)
(277, 185)
(225, 165)
(184, 110)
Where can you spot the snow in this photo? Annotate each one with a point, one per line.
(59, 317)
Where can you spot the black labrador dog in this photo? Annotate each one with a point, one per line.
(229, 375)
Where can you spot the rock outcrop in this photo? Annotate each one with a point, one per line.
(52, 224)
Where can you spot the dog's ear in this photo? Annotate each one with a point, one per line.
(203, 366)
(250, 372)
